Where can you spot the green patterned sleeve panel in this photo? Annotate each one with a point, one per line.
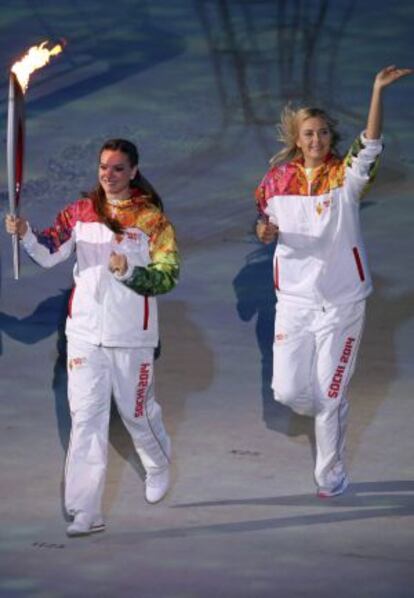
(363, 159)
(161, 275)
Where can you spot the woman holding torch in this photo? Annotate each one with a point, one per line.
(126, 254)
(310, 199)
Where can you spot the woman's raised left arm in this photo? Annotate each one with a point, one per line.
(385, 77)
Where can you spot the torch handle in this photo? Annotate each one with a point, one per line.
(16, 256)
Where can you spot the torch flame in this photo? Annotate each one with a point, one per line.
(35, 58)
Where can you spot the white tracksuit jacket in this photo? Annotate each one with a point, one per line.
(105, 309)
(320, 258)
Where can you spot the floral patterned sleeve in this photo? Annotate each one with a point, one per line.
(161, 275)
(361, 163)
(56, 243)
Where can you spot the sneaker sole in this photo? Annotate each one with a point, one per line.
(328, 495)
(336, 492)
(154, 502)
(94, 529)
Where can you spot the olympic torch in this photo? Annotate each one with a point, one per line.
(35, 58)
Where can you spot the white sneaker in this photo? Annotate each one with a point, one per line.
(157, 485)
(84, 524)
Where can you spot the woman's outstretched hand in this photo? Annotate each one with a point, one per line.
(385, 77)
(389, 74)
(118, 263)
(16, 225)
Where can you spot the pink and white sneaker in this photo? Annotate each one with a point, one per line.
(336, 491)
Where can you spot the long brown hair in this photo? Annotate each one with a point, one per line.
(138, 182)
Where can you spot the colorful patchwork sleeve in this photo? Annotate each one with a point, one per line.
(55, 236)
(279, 180)
(161, 275)
(362, 161)
(261, 196)
(53, 244)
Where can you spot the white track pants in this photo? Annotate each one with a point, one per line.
(313, 360)
(94, 374)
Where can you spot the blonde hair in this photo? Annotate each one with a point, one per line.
(288, 131)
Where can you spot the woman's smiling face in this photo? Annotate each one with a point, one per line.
(314, 140)
(115, 174)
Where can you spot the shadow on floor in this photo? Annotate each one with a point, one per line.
(254, 290)
(366, 500)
